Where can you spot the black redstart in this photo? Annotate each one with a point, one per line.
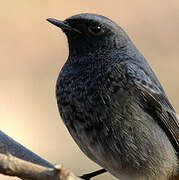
(112, 103)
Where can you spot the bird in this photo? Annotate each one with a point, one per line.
(112, 103)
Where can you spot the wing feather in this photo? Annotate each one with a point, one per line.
(167, 117)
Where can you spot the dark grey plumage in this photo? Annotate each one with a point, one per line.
(112, 103)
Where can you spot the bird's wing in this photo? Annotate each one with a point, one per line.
(167, 118)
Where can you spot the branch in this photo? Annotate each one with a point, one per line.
(10, 146)
(25, 164)
(13, 166)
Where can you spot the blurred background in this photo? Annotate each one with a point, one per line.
(32, 52)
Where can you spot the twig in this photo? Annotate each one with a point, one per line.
(8, 145)
(13, 166)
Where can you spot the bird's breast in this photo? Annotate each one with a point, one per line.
(84, 108)
(90, 96)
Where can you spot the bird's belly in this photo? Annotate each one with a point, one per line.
(119, 163)
(104, 132)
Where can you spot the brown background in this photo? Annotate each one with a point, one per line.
(33, 51)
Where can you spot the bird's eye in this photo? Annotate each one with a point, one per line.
(95, 30)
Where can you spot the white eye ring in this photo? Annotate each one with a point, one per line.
(95, 30)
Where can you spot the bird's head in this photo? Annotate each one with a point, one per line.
(87, 33)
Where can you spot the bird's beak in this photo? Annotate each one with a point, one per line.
(62, 24)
